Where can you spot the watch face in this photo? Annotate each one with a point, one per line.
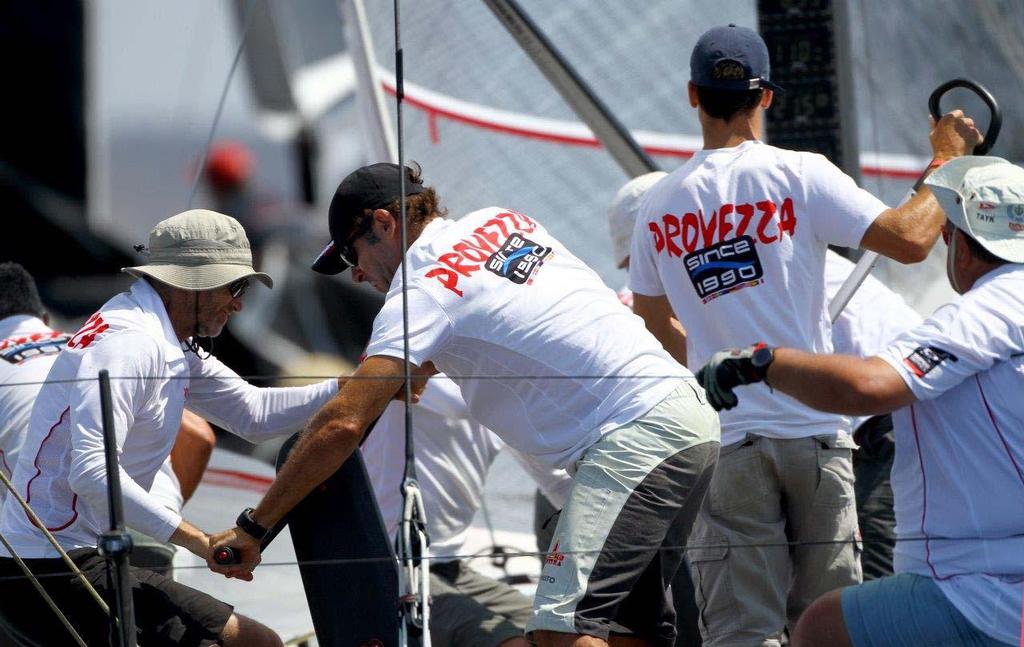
(762, 357)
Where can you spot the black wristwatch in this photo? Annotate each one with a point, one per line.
(761, 359)
(246, 522)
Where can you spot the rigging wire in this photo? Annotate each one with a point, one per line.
(220, 104)
(412, 545)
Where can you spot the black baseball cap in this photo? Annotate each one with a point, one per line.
(731, 43)
(370, 187)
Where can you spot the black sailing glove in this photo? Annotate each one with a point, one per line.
(733, 367)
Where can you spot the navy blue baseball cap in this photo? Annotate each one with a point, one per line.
(731, 43)
(369, 187)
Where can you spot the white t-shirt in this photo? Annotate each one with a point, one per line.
(453, 454)
(28, 348)
(543, 352)
(874, 316)
(736, 239)
(62, 471)
(958, 477)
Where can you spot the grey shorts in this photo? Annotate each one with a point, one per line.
(621, 536)
(468, 609)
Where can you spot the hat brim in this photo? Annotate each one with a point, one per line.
(946, 180)
(329, 261)
(199, 277)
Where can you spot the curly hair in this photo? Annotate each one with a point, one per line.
(418, 208)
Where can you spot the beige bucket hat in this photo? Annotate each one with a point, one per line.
(984, 196)
(199, 250)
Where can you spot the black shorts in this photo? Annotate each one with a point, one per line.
(166, 612)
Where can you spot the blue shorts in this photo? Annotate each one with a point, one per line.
(907, 611)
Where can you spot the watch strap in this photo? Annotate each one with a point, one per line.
(247, 522)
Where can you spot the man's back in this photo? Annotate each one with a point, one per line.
(28, 348)
(736, 239)
(544, 353)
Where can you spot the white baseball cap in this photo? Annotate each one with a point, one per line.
(623, 212)
(984, 197)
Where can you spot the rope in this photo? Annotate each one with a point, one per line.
(625, 551)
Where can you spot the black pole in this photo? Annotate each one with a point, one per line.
(116, 545)
(629, 155)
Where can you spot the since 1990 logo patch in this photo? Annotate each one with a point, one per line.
(925, 358)
(518, 259)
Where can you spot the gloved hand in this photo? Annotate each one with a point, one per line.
(730, 368)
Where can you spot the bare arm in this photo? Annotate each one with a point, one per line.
(908, 232)
(839, 383)
(331, 435)
(191, 452)
(661, 320)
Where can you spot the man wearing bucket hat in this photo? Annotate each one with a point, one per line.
(733, 244)
(199, 267)
(569, 376)
(954, 385)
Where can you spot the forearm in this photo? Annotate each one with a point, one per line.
(191, 452)
(142, 511)
(329, 440)
(260, 414)
(838, 383)
(191, 538)
(907, 233)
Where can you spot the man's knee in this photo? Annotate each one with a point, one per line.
(822, 624)
(241, 630)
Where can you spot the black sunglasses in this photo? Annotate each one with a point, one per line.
(238, 288)
(346, 252)
(348, 256)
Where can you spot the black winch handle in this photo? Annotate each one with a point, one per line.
(994, 123)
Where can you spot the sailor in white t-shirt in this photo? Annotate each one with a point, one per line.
(954, 384)
(453, 454)
(547, 357)
(733, 244)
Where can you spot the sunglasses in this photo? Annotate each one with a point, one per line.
(238, 288)
(348, 256)
(346, 252)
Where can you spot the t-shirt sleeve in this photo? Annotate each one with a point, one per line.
(429, 327)
(958, 341)
(840, 210)
(643, 270)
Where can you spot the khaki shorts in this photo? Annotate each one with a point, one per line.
(621, 536)
(773, 491)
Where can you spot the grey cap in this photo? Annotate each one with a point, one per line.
(199, 250)
(984, 197)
